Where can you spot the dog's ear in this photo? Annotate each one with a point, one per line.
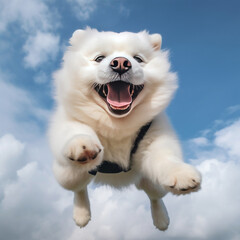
(77, 36)
(156, 40)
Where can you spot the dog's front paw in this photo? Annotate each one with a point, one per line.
(84, 150)
(183, 179)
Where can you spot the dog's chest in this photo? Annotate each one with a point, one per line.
(117, 151)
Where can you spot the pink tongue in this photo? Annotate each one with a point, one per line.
(119, 94)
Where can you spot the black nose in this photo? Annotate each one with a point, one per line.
(120, 65)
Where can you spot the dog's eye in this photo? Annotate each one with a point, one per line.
(99, 58)
(138, 59)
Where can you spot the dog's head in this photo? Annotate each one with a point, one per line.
(109, 76)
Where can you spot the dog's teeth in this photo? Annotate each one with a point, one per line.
(132, 92)
(104, 91)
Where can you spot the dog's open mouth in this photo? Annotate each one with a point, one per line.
(119, 95)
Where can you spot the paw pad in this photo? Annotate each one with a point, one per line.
(83, 149)
(86, 156)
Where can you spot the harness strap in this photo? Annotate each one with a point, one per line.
(111, 167)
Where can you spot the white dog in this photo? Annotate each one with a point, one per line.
(110, 126)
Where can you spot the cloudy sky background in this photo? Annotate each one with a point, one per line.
(204, 42)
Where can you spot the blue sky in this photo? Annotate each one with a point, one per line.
(203, 38)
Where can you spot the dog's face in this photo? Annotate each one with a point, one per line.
(118, 74)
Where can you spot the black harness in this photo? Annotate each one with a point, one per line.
(110, 167)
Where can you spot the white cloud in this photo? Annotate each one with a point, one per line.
(11, 156)
(200, 141)
(229, 138)
(31, 15)
(124, 10)
(30, 201)
(117, 215)
(18, 111)
(233, 109)
(83, 8)
(36, 22)
(41, 78)
(32, 205)
(213, 213)
(40, 48)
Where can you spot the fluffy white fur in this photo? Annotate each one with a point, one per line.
(82, 122)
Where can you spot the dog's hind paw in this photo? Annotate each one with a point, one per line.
(159, 215)
(81, 217)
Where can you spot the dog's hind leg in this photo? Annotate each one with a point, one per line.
(81, 210)
(159, 214)
(158, 209)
